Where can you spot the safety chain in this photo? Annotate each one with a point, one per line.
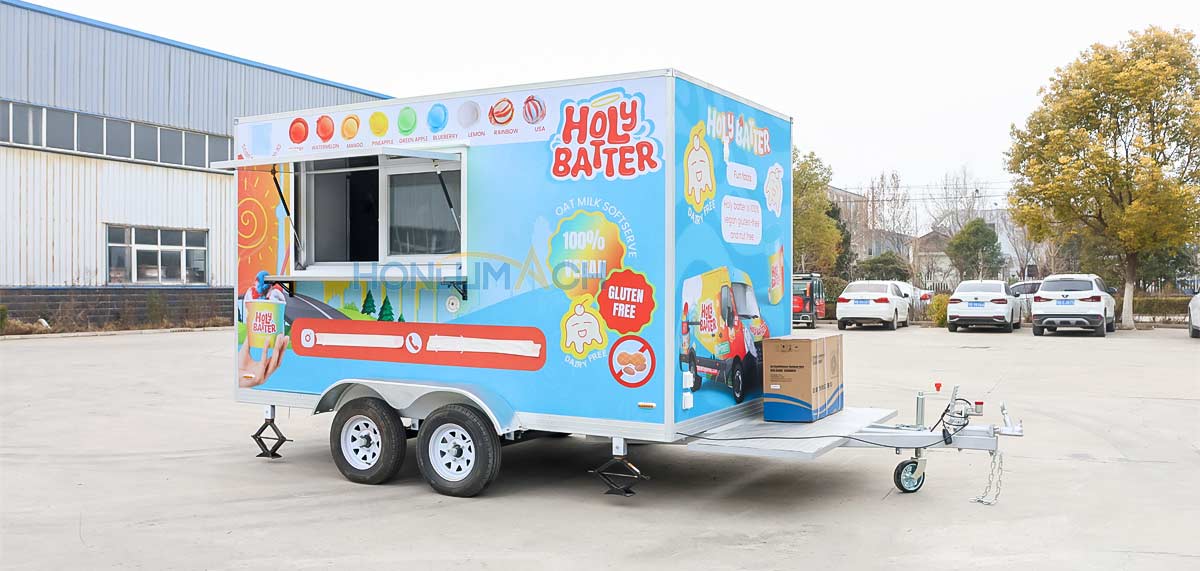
(997, 473)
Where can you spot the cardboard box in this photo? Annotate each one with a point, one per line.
(802, 377)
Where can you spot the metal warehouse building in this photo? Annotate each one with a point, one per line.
(106, 137)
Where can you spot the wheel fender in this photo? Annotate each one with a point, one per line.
(417, 400)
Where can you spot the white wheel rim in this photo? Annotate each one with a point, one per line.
(452, 452)
(361, 442)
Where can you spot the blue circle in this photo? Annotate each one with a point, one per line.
(437, 118)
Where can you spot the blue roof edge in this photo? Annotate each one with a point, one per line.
(189, 47)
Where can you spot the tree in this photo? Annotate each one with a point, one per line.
(385, 311)
(815, 236)
(846, 256)
(975, 251)
(1025, 248)
(368, 307)
(885, 266)
(889, 216)
(956, 201)
(1114, 150)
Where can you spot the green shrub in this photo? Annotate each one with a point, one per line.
(3, 317)
(1157, 305)
(833, 288)
(937, 309)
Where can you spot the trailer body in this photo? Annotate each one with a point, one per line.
(526, 250)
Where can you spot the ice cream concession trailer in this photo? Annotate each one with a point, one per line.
(601, 257)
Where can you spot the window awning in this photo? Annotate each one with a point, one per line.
(381, 152)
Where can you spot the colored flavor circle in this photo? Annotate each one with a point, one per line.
(406, 121)
(533, 109)
(298, 132)
(325, 128)
(378, 123)
(350, 127)
(501, 112)
(468, 113)
(437, 117)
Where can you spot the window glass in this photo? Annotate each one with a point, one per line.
(197, 238)
(172, 265)
(979, 287)
(89, 134)
(4, 121)
(218, 149)
(118, 235)
(26, 124)
(193, 150)
(60, 129)
(117, 139)
(747, 304)
(859, 287)
(145, 142)
(1067, 285)
(170, 146)
(420, 222)
(118, 264)
(170, 237)
(197, 266)
(145, 236)
(147, 265)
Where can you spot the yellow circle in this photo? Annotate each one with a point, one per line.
(378, 123)
(350, 127)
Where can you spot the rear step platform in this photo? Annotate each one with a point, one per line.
(757, 437)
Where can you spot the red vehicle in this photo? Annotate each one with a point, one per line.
(808, 299)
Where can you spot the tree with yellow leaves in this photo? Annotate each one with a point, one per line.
(1113, 152)
(816, 239)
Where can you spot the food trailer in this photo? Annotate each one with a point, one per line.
(479, 268)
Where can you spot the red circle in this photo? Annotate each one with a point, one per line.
(298, 132)
(645, 347)
(325, 128)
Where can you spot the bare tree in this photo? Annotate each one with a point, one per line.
(1026, 250)
(957, 201)
(890, 215)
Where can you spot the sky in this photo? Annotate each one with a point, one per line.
(919, 88)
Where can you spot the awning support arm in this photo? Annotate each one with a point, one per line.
(446, 192)
(288, 212)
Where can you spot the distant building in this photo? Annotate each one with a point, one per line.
(930, 262)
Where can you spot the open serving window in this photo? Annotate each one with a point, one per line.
(383, 211)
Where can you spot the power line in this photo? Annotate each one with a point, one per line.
(840, 200)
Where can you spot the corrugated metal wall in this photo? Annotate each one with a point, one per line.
(56, 206)
(47, 60)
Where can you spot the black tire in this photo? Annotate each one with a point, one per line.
(898, 478)
(891, 325)
(1038, 330)
(484, 445)
(953, 327)
(1100, 331)
(1110, 326)
(1017, 325)
(697, 380)
(841, 325)
(1007, 327)
(1193, 331)
(737, 381)
(385, 441)
(812, 324)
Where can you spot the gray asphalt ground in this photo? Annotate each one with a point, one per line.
(128, 451)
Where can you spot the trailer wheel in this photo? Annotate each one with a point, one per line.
(738, 382)
(367, 441)
(458, 451)
(697, 380)
(903, 477)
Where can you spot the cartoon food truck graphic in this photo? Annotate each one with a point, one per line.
(721, 331)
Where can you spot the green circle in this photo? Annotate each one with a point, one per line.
(406, 121)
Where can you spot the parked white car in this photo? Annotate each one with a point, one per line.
(1194, 317)
(984, 302)
(1074, 300)
(1024, 292)
(871, 302)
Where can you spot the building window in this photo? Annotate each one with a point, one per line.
(89, 134)
(145, 142)
(4, 124)
(144, 255)
(193, 150)
(170, 146)
(26, 125)
(60, 129)
(118, 138)
(218, 149)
